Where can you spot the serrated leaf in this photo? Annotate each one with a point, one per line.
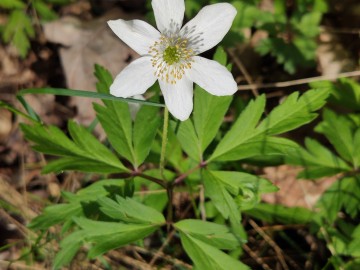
(242, 129)
(55, 214)
(342, 139)
(78, 164)
(245, 140)
(234, 181)
(317, 160)
(69, 247)
(111, 235)
(133, 142)
(51, 140)
(189, 140)
(216, 235)
(18, 30)
(197, 133)
(345, 92)
(344, 193)
(276, 213)
(221, 197)
(130, 211)
(294, 112)
(208, 257)
(209, 110)
(88, 143)
(62, 213)
(116, 122)
(146, 126)
(11, 4)
(44, 10)
(309, 24)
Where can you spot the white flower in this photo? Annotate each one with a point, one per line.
(170, 55)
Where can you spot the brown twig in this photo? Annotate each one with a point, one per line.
(150, 178)
(159, 252)
(244, 71)
(276, 248)
(182, 177)
(253, 255)
(300, 81)
(163, 256)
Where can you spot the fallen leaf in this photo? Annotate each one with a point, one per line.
(86, 44)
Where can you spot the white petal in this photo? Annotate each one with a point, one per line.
(212, 77)
(209, 26)
(178, 97)
(135, 79)
(169, 15)
(137, 34)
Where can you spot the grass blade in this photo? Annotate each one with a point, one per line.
(88, 94)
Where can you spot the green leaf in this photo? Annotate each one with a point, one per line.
(116, 121)
(216, 235)
(197, 133)
(221, 197)
(12, 4)
(152, 194)
(69, 247)
(146, 126)
(247, 13)
(245, 139)
(84, 147)
(44, 11)
(189, 140)
(18, 30)
(234, 181)
(317, 160)
(88, 143)
(208, 257)
(294, 112)
(130, 211)
(55, 214)
(88, 94)
(342, 139)
(276, 213)
(345, 92)
(78, 164)
(309, 24)
(111, 235)
(344, 193)
(209, 110)
(133, 143)
(242, 129)
(62, 213)
(356, 151)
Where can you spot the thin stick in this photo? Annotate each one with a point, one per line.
(182, 177)
(244, 71)
(300, 81)
(276, 248)
(253, 255)
(150, 178)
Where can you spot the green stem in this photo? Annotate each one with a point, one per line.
(164, 141)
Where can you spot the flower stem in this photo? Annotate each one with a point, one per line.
(164, 141)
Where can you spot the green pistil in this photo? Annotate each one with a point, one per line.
(171, 55)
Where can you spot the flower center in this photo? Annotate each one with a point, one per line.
(171, 56)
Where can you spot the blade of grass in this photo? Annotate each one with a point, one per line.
(16, 111)
(88, 94)
(28, 108)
